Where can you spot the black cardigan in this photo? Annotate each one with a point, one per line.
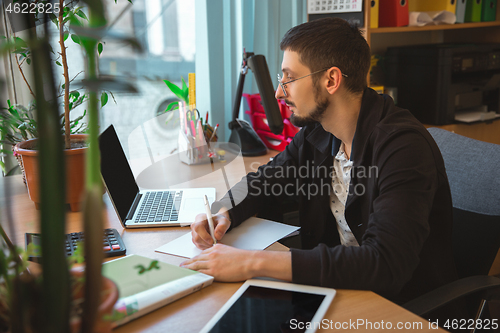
(398, 208)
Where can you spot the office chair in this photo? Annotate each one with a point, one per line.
(473, 169)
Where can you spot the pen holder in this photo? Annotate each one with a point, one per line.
(192, 142)
(190, 153)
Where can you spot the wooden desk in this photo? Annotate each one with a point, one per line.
(191, 313)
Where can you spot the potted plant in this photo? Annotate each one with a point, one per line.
(75, 144)
(21, 125)
(43, 304)
(182, 94)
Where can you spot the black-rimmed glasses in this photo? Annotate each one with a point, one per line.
(283, 84)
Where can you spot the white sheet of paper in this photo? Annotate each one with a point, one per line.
(253, 234)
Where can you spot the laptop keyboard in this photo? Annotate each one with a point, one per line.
(159, 207)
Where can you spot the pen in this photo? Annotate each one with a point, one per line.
(213, 133)
(209, 218)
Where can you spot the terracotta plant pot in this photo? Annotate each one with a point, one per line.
(109, 296)
(75, 171)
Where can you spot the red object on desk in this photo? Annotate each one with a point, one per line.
(260, 124)
(274, 141)
(393, 13)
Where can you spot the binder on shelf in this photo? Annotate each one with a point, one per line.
(373, 13)
(489, 10)
(393, 13)
(473, 11)
(431, 5)
(460, 12)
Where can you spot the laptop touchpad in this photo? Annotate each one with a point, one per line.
(193, 205)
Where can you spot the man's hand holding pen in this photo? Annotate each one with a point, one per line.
(224, 263)
(200, 229)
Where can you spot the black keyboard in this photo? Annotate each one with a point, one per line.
(159, 207)
(112, 243)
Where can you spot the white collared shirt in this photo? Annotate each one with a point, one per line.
(338, 196)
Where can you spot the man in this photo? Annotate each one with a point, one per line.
(375, 205)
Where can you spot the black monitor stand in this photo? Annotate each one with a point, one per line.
(242, 132)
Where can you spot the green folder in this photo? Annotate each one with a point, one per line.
(473, 10)
(489, 12)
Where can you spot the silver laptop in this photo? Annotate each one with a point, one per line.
(148, 208)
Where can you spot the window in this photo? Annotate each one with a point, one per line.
(166, 30)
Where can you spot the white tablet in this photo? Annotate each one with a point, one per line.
(270, 306)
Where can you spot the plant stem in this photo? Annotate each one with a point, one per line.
(24, 77)
(56, 284)
(67, 130)
(93, 223)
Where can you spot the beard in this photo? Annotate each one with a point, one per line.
(316, 115)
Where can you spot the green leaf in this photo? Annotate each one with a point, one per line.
(99, 48)
(184, 85)
(63, 86)
(99, 34)
(172, 106)
(28, 61)
(66, 35)
(81, 99)
(176, 90)
(104, 99)
(58, 63)
(75, 39)
(14, 112)
(82, 15)
(75, 94)
(20, 42)
(74, 21)
(81, 117)
(185, 90)
(53, 18)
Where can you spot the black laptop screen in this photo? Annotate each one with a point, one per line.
(116, 172)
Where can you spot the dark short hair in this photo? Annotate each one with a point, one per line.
(329, 42)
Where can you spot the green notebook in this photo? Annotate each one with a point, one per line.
(146, 284)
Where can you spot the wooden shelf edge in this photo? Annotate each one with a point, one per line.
(434, 27)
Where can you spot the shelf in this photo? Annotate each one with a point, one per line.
(434, 27)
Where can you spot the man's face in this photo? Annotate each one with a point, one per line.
(304, 98)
